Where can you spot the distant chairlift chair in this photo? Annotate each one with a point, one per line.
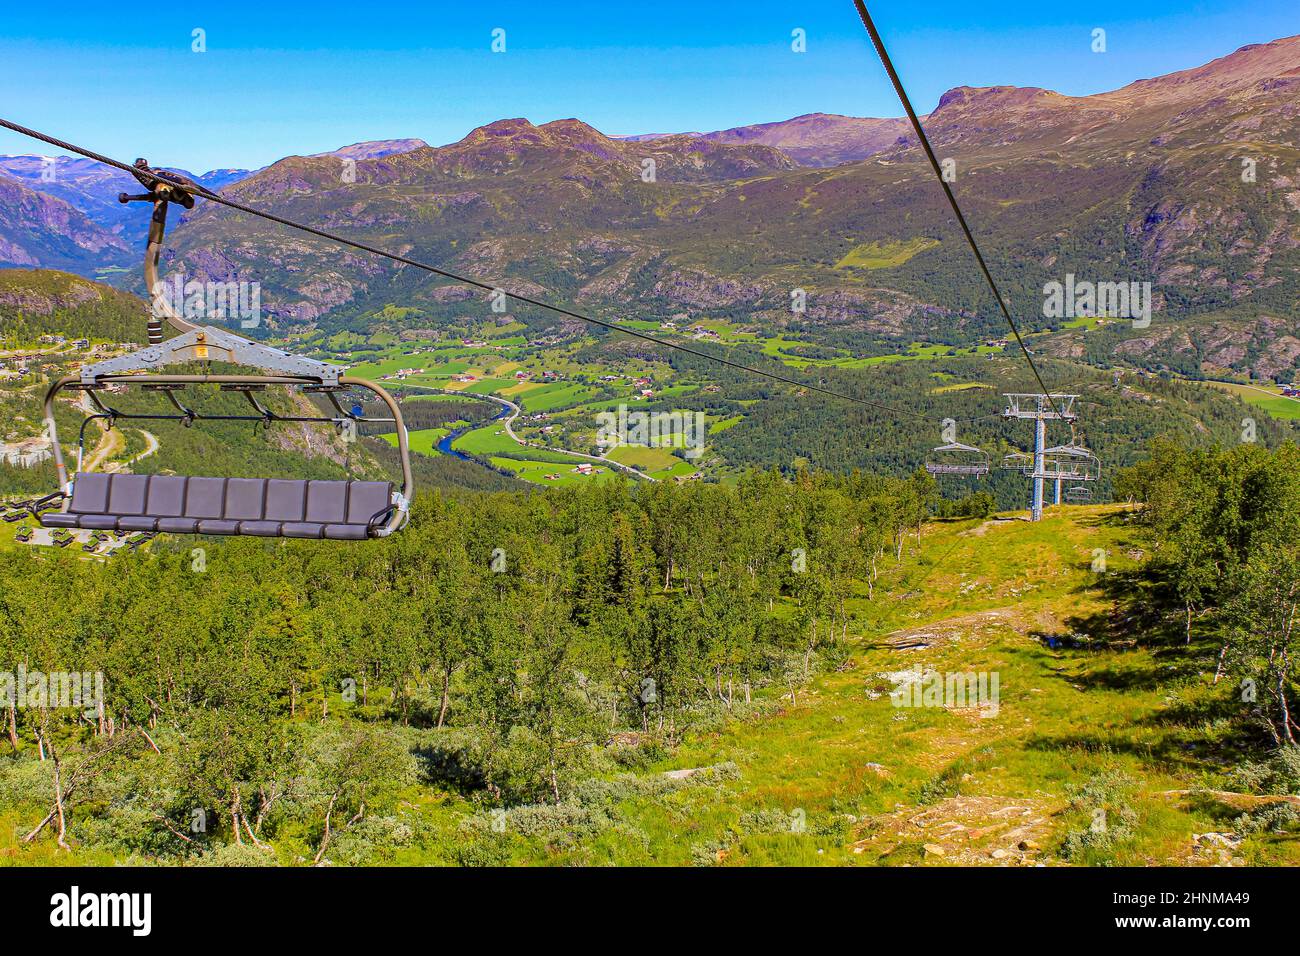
(955, 458)
(1060, 463)
(1078, 494)
(126, 503)
(1018, 461)
(1071, 463)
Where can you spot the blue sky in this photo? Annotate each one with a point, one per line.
(291, 77)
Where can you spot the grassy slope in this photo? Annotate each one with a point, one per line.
(536, 471)
(82, 308)
(876, 783)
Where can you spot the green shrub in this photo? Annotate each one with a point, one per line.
(1106, 800)
(1279, 774)
(1275, 818)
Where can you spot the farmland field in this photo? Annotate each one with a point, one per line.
(1269, 399)
(423, 440)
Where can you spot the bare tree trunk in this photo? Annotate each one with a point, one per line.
(36, 830)
(325, 840)
(253, 836)
(172, 828)
(234, 817)
(1282, 701)
(1223, 655)
(807, 654)
(446, 695)
(13, 727)
(264, 806)
(58, 801)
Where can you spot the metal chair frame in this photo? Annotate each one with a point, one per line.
(207, 344)
(970, 468)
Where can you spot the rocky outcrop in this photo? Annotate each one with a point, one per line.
(40, 230)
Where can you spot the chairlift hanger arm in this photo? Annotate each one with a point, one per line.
(161, 192)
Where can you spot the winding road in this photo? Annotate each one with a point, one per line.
(111, 443)
(508, 423)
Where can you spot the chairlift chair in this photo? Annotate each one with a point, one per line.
(955, 458)
(1078, 494)
(267, 507)
(1018, 461)
(1071, 463)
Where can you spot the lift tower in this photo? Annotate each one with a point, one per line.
(1041, 409)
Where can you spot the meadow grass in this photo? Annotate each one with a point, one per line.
(536, 471)
(492, 439)
(647, 459)
(839, 775)
(422, 440)
(884, 255)
(1270, 400)
(832, 772)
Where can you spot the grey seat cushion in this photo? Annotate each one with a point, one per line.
(57, 519)
(178, 525)
(266, 507)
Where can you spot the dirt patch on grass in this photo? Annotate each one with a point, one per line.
(980, 625)
(981, 530)
(962, 831)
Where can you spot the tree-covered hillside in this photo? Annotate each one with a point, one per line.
(658, 674)
(36, 302)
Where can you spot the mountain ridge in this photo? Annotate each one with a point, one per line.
(1139, 184)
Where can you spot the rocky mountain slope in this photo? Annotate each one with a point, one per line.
(375, 149)
(40, 229)
(91, 187)
(1143, 184)
(1186, 181)
(820, 139)
(814, 139)
(35, 302)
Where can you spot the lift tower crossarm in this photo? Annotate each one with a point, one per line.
(1054, 407)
